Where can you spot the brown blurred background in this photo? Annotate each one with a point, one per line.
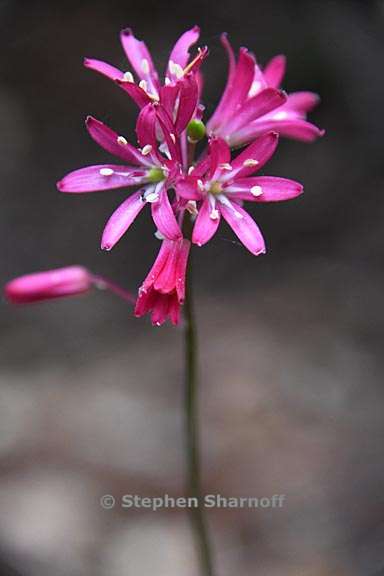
(291, 343)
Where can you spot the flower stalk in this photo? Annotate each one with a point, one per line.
(192, 433)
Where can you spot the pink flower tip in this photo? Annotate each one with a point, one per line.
(57, 283)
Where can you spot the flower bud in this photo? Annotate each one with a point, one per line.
(195, 131)
(47, 285)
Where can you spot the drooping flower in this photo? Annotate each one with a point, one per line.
(221, 185)
(163, 290)
(253, 104)
(149, 87)
(147, 169)
(57, 283)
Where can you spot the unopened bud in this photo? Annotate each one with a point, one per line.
(195, 131)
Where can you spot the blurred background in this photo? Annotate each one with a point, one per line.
(291, 344)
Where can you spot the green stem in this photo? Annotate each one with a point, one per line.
(197, 518)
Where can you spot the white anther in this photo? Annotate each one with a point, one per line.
(167, 81)
(144, 65)
(121, 140)
(250, 162)
(176, 69)
(200, 185)
(128, 77)
(173, 137)
(151, 197)
(256, 190)
(192, 208)
(146, 150)
(143, 85)
(190, 170)
(106, 171)
(214, 214)
(159, 235)
(225, 166)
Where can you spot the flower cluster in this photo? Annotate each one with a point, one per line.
(187, 198)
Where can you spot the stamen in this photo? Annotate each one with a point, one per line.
(146, 150)
(159, 235)
(214, 214)
(143, 85)
(173, 137)
(225, 166)
(151, 197)
(106, 171)
(256, 190)
(200, 185)
(144, 64)
(192, 208)
(128, 77)
(190, 170)
(121, 140)
(167, 81)
(250, 162)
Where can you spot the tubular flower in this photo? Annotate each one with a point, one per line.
(221, 185)
(58, 283)
(253, 104)
(163, 290)
(149, 88)
(148, 169)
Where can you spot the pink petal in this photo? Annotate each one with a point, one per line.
(140, 59)
(108, 139)
(181, 270)
(145, 302)
(260, 150)
(174, 309)
(220, 153)
(162, 257)
(275, 70)
(168, 95)
(296, 129)
(146, 127)
(302, 101)
(103, 68)
(160, 309)
(187, 188)
(239, 88)
(215, 118)
(166, 279)
(164, 217)
(205, 227)
(273, 189)
(121, 220)
(244, 227)
(180, 52)
(264, 102)
(89, 179)
(188, 99)
(137, 94)
(50, 284)
(168, 130)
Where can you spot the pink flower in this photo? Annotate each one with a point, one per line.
(58, 283)
(149, 88)
(221, 185)
(163, 290)
(252, 103)
(146, 168)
